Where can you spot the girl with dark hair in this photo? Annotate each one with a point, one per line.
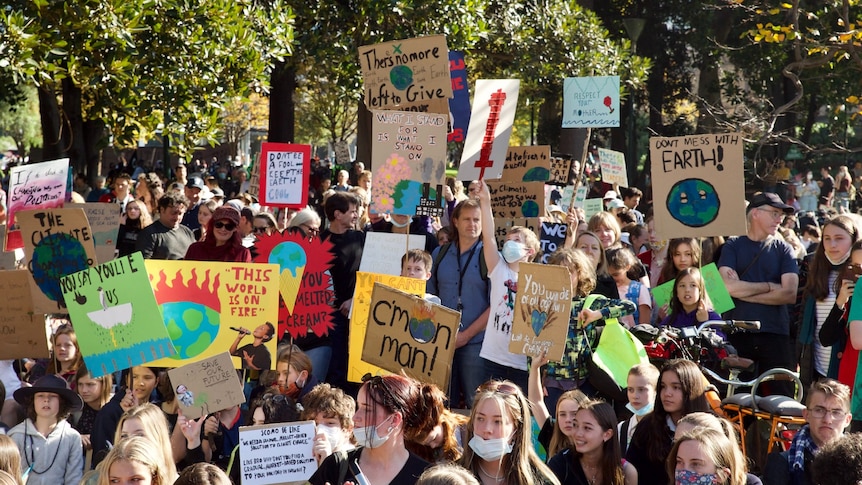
(682, 253)
(689, 305)
(681, 391)
(387, 408)
(95, 393)
(137, 217)
(223, 241)
(594, 456)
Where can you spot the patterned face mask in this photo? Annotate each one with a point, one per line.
(688, 477)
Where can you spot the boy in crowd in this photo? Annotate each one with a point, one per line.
(417, 264)
(641, 384)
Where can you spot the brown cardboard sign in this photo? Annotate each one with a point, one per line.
(543, 308)
(527, 164)
(207, 386)
(560, 171)
(22, 333)
(502, 226)
(406, 332)
(57, 243)
(698, 185)
(104, 220)
(517, 199)
(407, 73)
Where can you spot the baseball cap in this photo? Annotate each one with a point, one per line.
(761, 199)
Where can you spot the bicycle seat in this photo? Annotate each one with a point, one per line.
(737, 362)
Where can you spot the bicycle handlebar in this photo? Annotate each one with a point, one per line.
(731, 324)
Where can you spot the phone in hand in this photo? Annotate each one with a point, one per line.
(852, 272)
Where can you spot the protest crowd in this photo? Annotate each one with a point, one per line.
(535, 334)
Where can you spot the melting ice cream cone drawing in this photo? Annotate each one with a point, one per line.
(292, 260)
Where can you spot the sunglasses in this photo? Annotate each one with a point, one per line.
(500, 387)
(230, 226)
(260, 230)
(310, 231)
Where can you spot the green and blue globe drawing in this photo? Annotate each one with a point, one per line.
(530, 208)
(693, 202)
(401, 77)
(422, 330)
(191, 326)
(536, 174)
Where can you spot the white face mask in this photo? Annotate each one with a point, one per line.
(369, 437)
(840, 260)
(333, 434)
(513, 251)
(490, 450)
(640, 412)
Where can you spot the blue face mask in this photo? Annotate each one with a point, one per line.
(513, 251)
(688, 477)
(640, 412)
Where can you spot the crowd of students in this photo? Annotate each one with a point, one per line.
(527, 421)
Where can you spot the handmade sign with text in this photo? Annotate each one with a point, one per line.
(591, 102)
(115, 315)
(356, 366)
(342, 152)
(517, 199)
(698, 185)
(103, 218)
(57, 242)
(22, 332)
(277, 453)
(593, 207)
(559, 168)
(207, 386)
(613, 166)
(552, 237)
(412, 149)
(8, 259)
(491, 122)
(284, 170)
(406, 332)
(527, 164)
(206, 306)
(543, 307)
(304, 282)
(33, 186)
(407, 74)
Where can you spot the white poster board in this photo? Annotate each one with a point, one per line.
(383, 251)
(491, 120)
(277, 453)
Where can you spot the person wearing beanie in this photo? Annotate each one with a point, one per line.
(223, 241)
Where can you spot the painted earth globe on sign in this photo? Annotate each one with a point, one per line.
(57, 255)
(191, 326)
(401, 77)
(422, 330)
(693, 202)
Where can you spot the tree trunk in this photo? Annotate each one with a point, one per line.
(810, 118)
(49, 114)
(363, 136)
(549, 121)
(73, 132)
(709, 88)
(282, 109)
(94, 142)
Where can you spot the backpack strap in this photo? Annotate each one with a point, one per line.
(483, 266)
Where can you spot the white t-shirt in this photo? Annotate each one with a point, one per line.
(495, 347)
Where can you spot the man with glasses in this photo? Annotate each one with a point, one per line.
(828, 414)
(760, 272)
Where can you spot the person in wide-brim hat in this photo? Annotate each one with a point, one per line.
(54, 384)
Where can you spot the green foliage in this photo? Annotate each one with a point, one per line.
(19, 121)
(135, 60)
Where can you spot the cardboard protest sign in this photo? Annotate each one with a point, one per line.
(406, 332)
(33, 186)
(356, 367)
(207, 386)
(552, 236)
(407, 73)
(502, 226)
(613, 165)
(517, 199)
(543, 307)
(104, 225)
(559, 170)
(527, 164)
(284, 170)
(57, 242)
(22, 332)
(277, 453)
(715, 289)
(490, 129)
(342, 152)
(304, 283)
(698, 185)
(593, 207)
(8, 259)
(115, 315)
(459, 105)
(205, 306)
(412, 149)
(383, 251)
(591, 102)
(254, 181)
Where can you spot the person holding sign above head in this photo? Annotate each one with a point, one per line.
(387, 407)
(223, 241)
(521, 245)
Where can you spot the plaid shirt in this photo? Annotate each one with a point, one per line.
(571, 366)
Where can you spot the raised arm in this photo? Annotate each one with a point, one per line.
(489, 242)
(534, 390)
